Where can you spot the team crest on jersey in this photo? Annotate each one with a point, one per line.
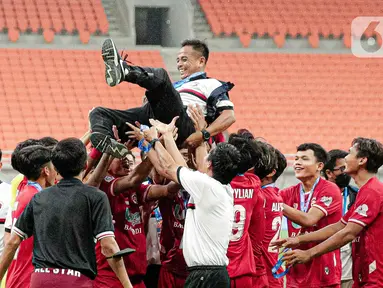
(326, 200)
(134, 198)
(326, 270)
(179, 213)
(313, 200)
(132, 218)
(362, 210)
(108, 178)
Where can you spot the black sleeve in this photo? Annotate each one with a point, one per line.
(102, 217)
(24, 224)
(218, 101)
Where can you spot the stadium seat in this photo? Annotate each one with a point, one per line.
(292, 98)
(64, 15)
(55, 91)
(323, 18)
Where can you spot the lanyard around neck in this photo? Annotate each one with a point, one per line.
(305, 204)
(345, 195)
(268, 185)
(35, 184)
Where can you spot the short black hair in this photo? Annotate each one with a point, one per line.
(197, 45)
(32, 159)
(225, 160)
(281, 164)
(245, 148)
(267, 161)
(372, 150)
(319, 152)
(245, 133)
(15, 153)
(69, 157)
(333, 156)
(48, 141)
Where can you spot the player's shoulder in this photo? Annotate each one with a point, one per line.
(372, 186)
(290, 190)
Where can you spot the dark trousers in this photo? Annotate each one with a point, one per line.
(207, 277)
(164, 103)
(152, 275)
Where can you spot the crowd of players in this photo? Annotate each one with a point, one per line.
(150, 202)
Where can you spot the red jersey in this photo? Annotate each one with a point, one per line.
(367, 247)
(273, 225)
(129, 233)
(325, 270)
(173, 212)
(240, 251)
(21, 268)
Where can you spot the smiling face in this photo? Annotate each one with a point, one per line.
(353, 163)
(190, 61)
(306, 165)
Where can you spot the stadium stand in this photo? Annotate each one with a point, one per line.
(278, 19)
(293, 98)
(59, 16)
(55, 89)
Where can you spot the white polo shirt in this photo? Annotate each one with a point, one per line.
(209, 225)
(5, 199)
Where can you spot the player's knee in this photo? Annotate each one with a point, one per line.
(95, 111)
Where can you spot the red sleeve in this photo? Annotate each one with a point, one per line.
(257, 226)
(328, 199)
(366, 207)
(107, 185)
(285, 194)
(346, 216)
(22, 201)
(142, 192)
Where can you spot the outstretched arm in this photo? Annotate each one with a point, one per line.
(304, 219)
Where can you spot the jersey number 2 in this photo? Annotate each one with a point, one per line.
(239, 223)
(276, 226)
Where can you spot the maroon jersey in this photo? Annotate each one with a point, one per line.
(257, 234)
(240, 251)
(325, 270)
(367, 248)
(173, 213)
(274, 215)
(129, 233)
(21, 268)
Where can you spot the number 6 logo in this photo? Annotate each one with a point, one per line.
(370, 47)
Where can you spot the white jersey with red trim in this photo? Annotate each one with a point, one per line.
(209, 93)
(5, 199)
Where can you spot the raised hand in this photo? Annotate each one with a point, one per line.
(293, 257)
(136, 132)
(291, 242)
(162, 127)
(197, 116)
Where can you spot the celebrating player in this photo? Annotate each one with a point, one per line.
(165, 100)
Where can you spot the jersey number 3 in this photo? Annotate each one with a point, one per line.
(276, 226)
(239, 223)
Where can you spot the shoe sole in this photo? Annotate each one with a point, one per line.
(111, 59)
(107, 145)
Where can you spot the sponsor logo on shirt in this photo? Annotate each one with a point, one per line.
(313, 200)
(133, 218)
(179, 214)
(326, 200)
(362, 210)
(108, 178)
(326, 270)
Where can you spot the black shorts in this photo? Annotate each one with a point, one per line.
(207, 277)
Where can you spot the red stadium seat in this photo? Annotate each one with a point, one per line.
(55, 94)
(323, 18)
